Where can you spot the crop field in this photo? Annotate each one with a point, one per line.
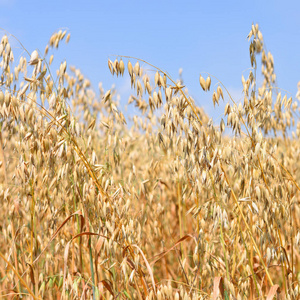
(97, 203)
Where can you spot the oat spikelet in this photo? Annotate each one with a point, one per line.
(121, 67)
(111, 67)
(202, 83)
(129, 67)
(222, 126)
(137, 68)
(220, 92)
(1, 98)
(156, 78)
(34, 58)
(215, 98)
(208, 82)
(68, 38)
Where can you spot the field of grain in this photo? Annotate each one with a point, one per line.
(97, 204)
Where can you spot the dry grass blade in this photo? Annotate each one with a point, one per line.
(66, 254)
(147, 265)
(19, 277)
(272, 292)
(79, 213)
(218, 288)
(159, 256)
(108, 286)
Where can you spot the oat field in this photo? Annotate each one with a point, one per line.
(166, 204)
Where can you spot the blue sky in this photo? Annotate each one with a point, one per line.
(194, 35)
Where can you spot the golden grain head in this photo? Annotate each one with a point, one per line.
(172, 205)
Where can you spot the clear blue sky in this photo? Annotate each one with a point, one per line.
(194, 35)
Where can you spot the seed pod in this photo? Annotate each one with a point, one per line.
(168, 93)
(208, 82)
(34, 58)
(165, 81)
(42, 288)
(161, 81)
(107, 96)
(155, 98)
(46, 50)
(258, 193)
(116, 67)
(56, 43)
(59, 35)
(129, 67)
(257, 148)
(92, 124)
(7, 98)
(60, 283)
(14, 101)
(220, 92)
(121, 67)
(133, 80)
(139, 88)
(156, 78)
(222, 126)
(123, 118)
(51, 283)
(227, 109)
(159, 296)
(4, 40)
(63, 34)
(148, 87)
(62, 68)
(110, 66)
(1, 97)
(202, 83)
(159, 98)
(215, 98)
(8, 49)
(68, 38)
(137, 68)
(114, 108)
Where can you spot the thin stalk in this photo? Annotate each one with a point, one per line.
(92, 269)
(19, 277)
(19, 288)
(248, 229)
(138, 288)
(32, 227)
(251, 266)
(224, 250)
(292, 245)
(251, 217)
(283, 263)
(77, 221)
(179, 213)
